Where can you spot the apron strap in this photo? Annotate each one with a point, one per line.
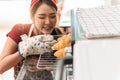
(31, 29)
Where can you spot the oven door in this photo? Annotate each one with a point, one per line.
(97, 59)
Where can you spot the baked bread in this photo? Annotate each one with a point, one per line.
(68, 37)
(60, 53)
(62, 42)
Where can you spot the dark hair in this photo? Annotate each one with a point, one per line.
(35, 7)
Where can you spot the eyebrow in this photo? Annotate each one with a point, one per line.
(45, 14)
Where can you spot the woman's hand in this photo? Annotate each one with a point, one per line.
(35, 45)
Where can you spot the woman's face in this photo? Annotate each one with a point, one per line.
(45, 19)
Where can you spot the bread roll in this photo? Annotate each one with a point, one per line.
(60, 53)
(64, 41)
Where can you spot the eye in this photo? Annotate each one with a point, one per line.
(53, 16)
(41, 17)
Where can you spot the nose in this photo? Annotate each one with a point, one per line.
(47, 21)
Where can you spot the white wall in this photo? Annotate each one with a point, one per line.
(107, 2)
(114, 2)
(13, 11)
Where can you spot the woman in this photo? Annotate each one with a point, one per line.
(43, 14)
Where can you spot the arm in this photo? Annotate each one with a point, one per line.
(8, 58)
